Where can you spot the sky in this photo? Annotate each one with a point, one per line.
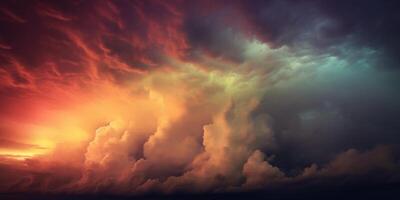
(198, 97)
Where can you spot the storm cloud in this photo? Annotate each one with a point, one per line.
(143, 97)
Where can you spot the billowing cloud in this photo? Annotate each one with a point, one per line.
(259, 172)
(139, 97)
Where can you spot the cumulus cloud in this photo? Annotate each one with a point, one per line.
(354, 162)
(133, 97)
(259, 172)
(201, 137)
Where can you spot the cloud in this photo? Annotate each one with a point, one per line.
(4, 143)
(259, 172)
(376, 166)
(202, 137)
(9, 15)
(134, 97)
(213, 34)
(356, 162)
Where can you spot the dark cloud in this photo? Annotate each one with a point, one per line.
(374, 23)
(213, 32)
(287, 22)
(320, 118)
(326, 24)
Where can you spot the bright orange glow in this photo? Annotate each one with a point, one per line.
(38, 148)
